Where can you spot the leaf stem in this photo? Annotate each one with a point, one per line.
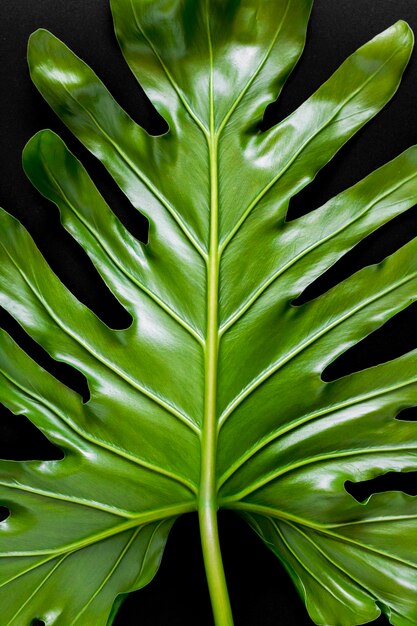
(208, 504)
(213, 562)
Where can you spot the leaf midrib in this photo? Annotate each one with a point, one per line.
(208, 485)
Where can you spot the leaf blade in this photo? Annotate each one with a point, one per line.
(179, 401)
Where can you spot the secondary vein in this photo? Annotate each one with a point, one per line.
(281, 173)
(98, 442)
(132, 279)
(272, 369)
(89, 350)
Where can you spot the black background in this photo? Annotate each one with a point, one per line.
(261, 592)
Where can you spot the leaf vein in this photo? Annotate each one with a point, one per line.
(142, 518)
(329, 559)
(89, 350)
(177, 318)
(258, 293)
(37, 589)
(317, 459)
(256, 73)
(164, 202)
(279, 432)
(100, 443)
(106, 579)
(65, 498)
(320, 528)
(168, 74)
(283, 171)
(270, 371)
(315, 577)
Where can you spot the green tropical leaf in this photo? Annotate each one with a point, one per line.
(214, 396)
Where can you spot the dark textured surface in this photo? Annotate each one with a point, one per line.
(178, 594)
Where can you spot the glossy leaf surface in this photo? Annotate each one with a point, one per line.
(213, 397)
